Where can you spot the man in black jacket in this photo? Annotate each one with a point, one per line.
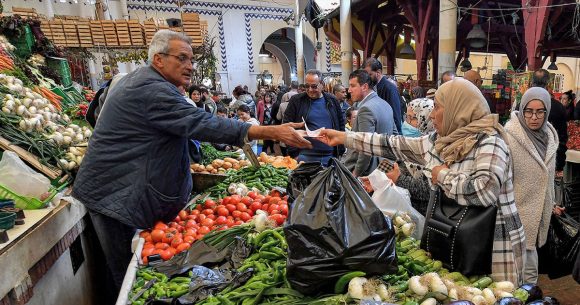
(557, 117)
(385, 90)
(319, 110)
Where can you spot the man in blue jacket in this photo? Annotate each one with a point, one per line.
(386, 90)
(319, 110)
(136, 170)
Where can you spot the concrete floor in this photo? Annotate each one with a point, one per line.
(565, 289)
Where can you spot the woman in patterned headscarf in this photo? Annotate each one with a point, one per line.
(468, 158)
(417, 122)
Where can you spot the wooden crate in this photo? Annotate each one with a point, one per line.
(150, 28)
(45, 28)
(58, 35)
(122, 28)
(136, 33)
(97, 34)
(192, 28)
(70, 33)
(84, 32)
(110, 32)
(24, 12)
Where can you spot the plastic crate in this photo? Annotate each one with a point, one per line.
(27, 203)
(7, 220)
(60, 65)
(24, 43)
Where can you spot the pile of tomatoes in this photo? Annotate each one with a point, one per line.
(189, 226)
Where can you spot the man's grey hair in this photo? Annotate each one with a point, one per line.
(160, 42)
(337, 88)
(315, 72)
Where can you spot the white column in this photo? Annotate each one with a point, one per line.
(124, 10)
(299, 50)
(345, 40)
(447, 36)
(49, 9)
(93, 74)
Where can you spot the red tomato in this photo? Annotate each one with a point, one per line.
(273, 207)
(207, 222)
(278, 218)
(222, 211)
(183, 247)
(256, 205)
(201, 217)
(252, 195)
(148, 245)
(171, 230)
(190, 223)
(193, 217)
(207, 211)
(265, 207)
(274, 200)
(190, 232)
(166, 255)
(245, 216)
(195, 212)
(168, 237)
(157, 251)
(148, 239)
(189, 239)
(199, 207)
(226, 200)
(224, 228)
(172, 250)
(259, 198)
(241, 207)
(209, 204)
(161, 226)
(203, 230)
(284, 209)
(274, 212)
(176, 241)
(183, 214)
(147, 252)
(236, 214)
(221, 220)
(234, 199)
(238, 222)
(144, 234)
(157, 235)
(230, 222)
(275, 193)
(145, 260)
(161, 246)
(212, 216)
(231, 207)
(176, 219)
(250, 212)
(247, 201)
(266, 199)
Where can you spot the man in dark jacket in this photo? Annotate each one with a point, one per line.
(319, 110)
(386, 90)
(136, 170)
(557, 117)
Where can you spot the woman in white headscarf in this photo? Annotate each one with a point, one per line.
(533, 142)
(468, 158)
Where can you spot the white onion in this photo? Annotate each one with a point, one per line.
(5, 110)
(79, 137)
(20, 110)
(26, 102)
(66, 140)
(32, 109)
(9, 104)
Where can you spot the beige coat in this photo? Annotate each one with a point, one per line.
(533, 181)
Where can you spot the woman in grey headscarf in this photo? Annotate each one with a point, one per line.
(533, 143)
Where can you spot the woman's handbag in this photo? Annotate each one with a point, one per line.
(461, 237)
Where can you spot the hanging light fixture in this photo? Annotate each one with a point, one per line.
(263, 52)
(465, 65)
(476, 37)
(407, 48)
(552, 65)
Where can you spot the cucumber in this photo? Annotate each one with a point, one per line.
(343, 281)
(483, 282)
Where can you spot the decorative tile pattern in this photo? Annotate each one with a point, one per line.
(327, 47)
(247, 21)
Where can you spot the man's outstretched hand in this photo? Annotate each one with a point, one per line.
(285, 133)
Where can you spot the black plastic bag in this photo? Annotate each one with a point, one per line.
(558, 255)
(301, 178)
(334, 228)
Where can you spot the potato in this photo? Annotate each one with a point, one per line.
(217, 163)
(227, 165)
(236, 166)
(205, 172)
(201, 168)
(232, 161)
(195, 167)
(214, 171)
(209, 167)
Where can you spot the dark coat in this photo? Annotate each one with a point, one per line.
(558, 119)
(299, 107)
(389, 92)
(136, 169)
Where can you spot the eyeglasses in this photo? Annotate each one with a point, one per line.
(181, 58)
(540, 114)
(311, 86)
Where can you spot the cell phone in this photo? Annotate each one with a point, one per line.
(386, 165)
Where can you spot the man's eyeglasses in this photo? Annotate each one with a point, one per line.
(311, 86)
(181, 58)
(540, 114)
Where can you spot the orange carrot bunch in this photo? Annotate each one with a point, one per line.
(6, 63)
(50, 96)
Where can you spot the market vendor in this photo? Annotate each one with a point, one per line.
(136, 170)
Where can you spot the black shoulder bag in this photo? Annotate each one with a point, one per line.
(461, 237)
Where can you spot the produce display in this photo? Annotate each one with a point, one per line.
(210, 154)
(278, 161)
(250, 178)
(190, 226)
(573, 135)
(219, 166)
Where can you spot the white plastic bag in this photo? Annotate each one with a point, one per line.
(20, 178)
(391, 199)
